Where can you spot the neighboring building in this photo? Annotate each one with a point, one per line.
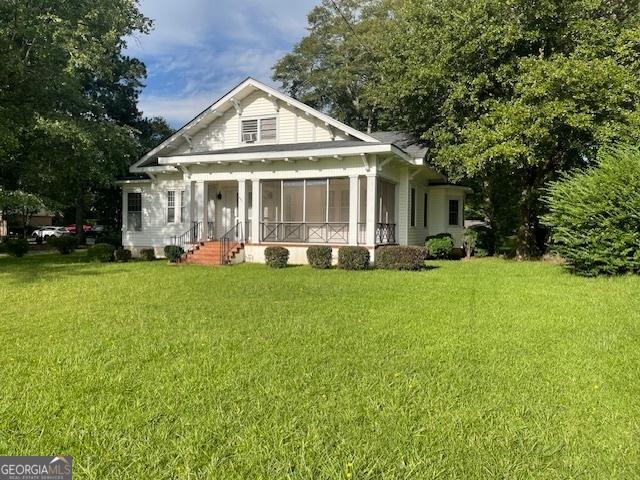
(259, 168)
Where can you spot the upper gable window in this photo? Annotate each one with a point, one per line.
(259, 130)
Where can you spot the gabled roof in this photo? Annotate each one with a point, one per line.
(230, 101)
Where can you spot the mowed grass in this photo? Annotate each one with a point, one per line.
(481, 369)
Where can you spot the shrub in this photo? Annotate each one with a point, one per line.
(3, 247)
(122, 255)
(148, 254)
(470, 241)
(65, 244)
(353, 258)
(319, 256)
(173, 253)
(112, 238)
(440, 247)
(16, 247)
(101, 252)
(401, 258)
(276, 257)
(593, 215)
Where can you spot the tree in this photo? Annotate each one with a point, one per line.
(593, 215)
(329, 68)
(531, 88)
(20, 203)
(70, 95)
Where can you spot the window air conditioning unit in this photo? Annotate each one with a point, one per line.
(249, 137)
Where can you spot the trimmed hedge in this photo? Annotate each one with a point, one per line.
(593, 215)
(122, 255)
(173, 253)
(101, 252)
(353, 258)
(112, 238)
(16, 247)
(65, 244)
(401, 258)
(148, 254)
(440, 247)
(276, 257)
(319, 256)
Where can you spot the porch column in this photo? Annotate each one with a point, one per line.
(402, 208)
(353, 210)
(256, 214)
(200, 205)
(372, 208)
(242, 208)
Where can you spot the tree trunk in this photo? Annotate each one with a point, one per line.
(79, 219)
(490, 216)
(527, 239)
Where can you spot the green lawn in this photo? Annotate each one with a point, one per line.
(482, 369)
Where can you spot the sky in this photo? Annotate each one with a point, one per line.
(201, 49)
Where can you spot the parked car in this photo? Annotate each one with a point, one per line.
(72, 228)
(46, 232)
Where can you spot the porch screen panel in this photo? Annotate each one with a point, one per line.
(339, 200)
(293, 210)
(387, 202)
(316, 201)
(362, 200)
(271, 201)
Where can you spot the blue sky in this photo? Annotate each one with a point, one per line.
(200, 49)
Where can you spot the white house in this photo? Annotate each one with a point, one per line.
(258, 168)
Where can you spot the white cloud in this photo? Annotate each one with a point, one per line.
(199, 49)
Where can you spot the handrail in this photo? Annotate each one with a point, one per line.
(190, 237)
(235, 234)
(305, 232)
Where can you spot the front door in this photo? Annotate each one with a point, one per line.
(227, 210)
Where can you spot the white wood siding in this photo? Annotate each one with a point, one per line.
(293, 126)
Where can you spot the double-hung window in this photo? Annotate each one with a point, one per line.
(171, 206)
(134, 212)
(183, 206)
(259, 130)
(454, 212)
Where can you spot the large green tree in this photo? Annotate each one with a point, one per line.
(68, 95)
(329, 68)
(525, 88)
(506, 93)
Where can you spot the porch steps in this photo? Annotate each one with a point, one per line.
(208, 253)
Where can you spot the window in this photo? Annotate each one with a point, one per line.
(171, 206)
(268, 129)
(259, 130)
(183, 206)
(413, 207)
(425, 212)
(249, 131)
(134, 212)
(454, 212)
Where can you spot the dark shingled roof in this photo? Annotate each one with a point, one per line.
(404, 141)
